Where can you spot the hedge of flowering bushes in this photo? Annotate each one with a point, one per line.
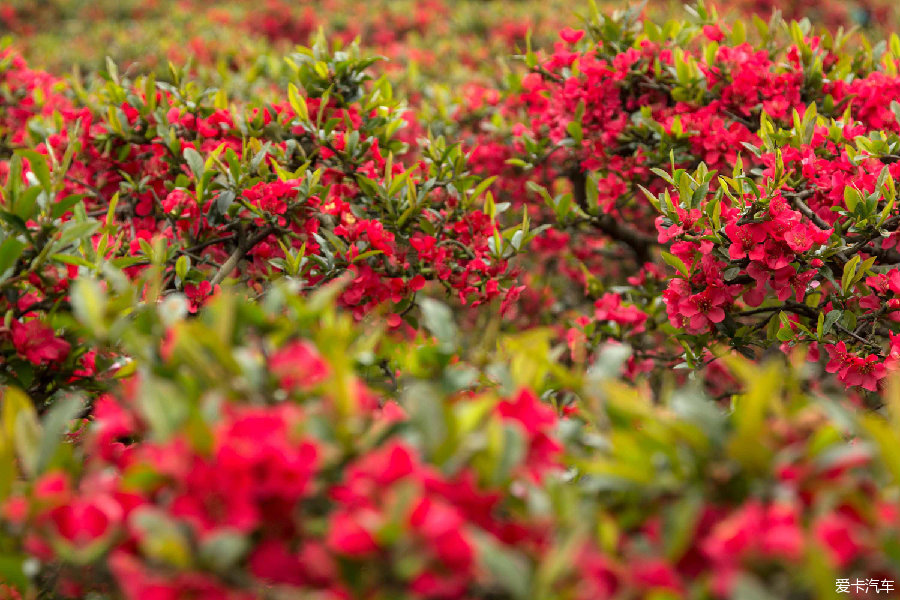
(616, 322)
(750, 188)
(169, 177)
(257, 450)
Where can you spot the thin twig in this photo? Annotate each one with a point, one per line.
(242, 249)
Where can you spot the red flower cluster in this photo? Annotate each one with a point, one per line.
(217, 194)
(282, 495)
(769, 210)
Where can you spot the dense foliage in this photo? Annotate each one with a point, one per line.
(751, 187)
(599, 308)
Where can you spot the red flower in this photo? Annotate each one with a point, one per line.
(538, 420)
(85, 520)
(429, 584)
(198, 293)
(387, 465)
(787, 281)
(570, 35)
(528, 410)
(781, 535)
(440, 524)
(37, 342)
(346, 536)
(655, 575)
(840, 361)
(213, 498)
(299, 366)
(744, 238)
(52, 488)
(856, 371)
(609, 308)
(272, 562)
(704, 308)
(9, 593)
(839, 536)
(866, 372)
(713, 33)
(731, 538)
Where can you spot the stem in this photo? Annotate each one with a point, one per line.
(640, 243)
(244, 246)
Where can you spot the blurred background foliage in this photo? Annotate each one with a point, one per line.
(425, 41)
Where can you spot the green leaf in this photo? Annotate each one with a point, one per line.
(55, 423)
(831, 318)
(368, 186)
(162, 406)
(886, 211)
(224, 200)
(664, 175)
(10, 250)
(431, 418)
(747, 444)
(750, 588)
(12, 571)
(38, 163)
(676, 263)
(27, 437)
(71, 259)
(336, 242)
(851, 198)
(512, 451)
(365, 255)
(75, 231)
(610, 360)
(26, 203)
(161, 539)
(680, 524)
(111, 211)
(439, 321)
(60, 208)
(195, 162)
(481, 187)
(784, 334)
(16, 222)
(575, 132)
(849, 273)
(9, 473)
(542, 191)
(298, 103)
(182, 265)
(125, 261)
(223, 549)
(89, 304)
(651, 198)
(509, 568)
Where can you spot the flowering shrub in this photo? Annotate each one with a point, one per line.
(617, 321)
(776, 234)
(254, 450)
(169, 179)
